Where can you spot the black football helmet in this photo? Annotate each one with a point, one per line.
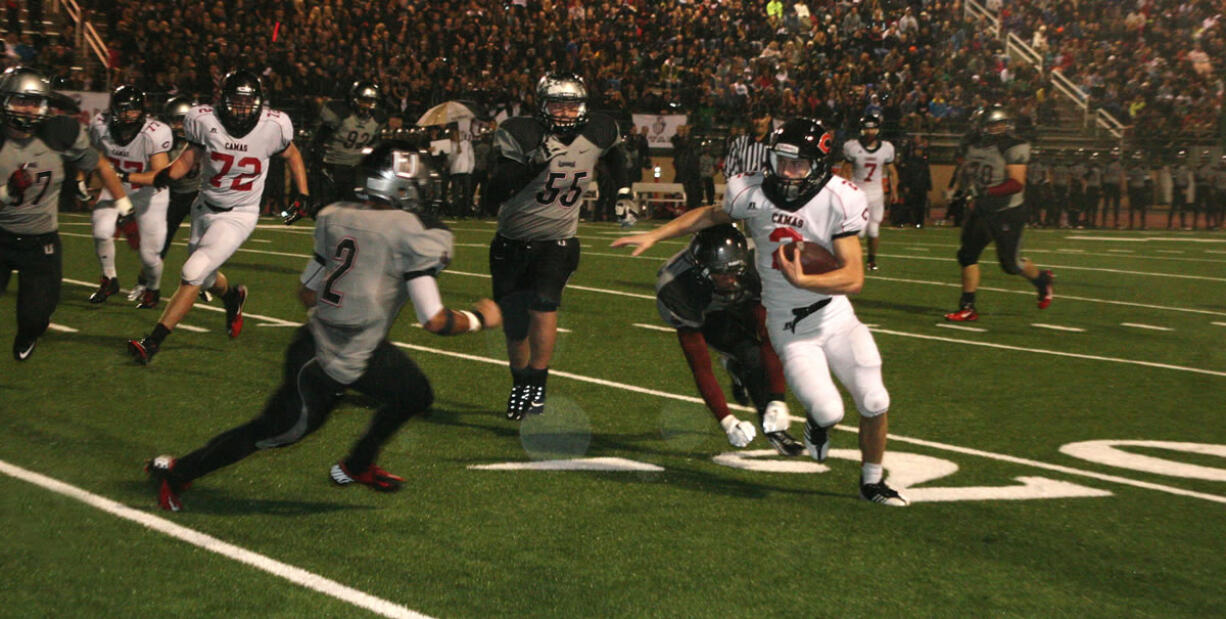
(123, 124)
(174, 112)
(364, 98)
(242, 102)
(870, 127)
(561, 102)
(393, 172)
(800, 143)
(720, 251)
(25, 96)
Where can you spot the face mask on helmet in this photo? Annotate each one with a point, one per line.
(792, 174)
(127, 114)
(562, 102)
(26, 112)
(721, 255)
(175, 112)
(241, 101)
(391, 174)
(364, 99)
(870, 128)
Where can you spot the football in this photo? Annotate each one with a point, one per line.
(813, 257)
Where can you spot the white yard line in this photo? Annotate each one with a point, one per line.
(62, 328)
(1138, 325)
(961, 327)
(298, 576)
(1218, 324)
(654, 327)
(192, 328)
(1043, 325)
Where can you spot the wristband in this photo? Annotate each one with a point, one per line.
(475, 320)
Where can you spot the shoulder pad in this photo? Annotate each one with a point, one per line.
(338, 108)
(601, 130)
(59, 132)
(526, 130)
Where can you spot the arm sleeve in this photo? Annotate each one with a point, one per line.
(616, 159)
(313, 274)
(427, 301)
(696, 355)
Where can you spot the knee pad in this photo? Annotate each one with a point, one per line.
(150, 256)
(198, 270)
(825, 411)
(965, 258)
(875, 402)
(873, 229)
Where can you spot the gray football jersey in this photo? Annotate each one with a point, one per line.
(1204, 174)
(547, 207)
(350, 134)
(57, 140)
(1137, 175)
(983, 165)
(1094, 176)
(684, 297)
(190, 183)
(363, 259)
(1077, 173)
(1113, 173)
(1036, 173)
(1219, 179)
(1180, 175)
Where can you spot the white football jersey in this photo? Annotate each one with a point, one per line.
(154, 137)
(839, 209)
(868, 166)
(234, 169)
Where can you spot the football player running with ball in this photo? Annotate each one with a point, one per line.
(712, 296)
(993, 173)
(370, 257)
(132, 143)
(234, 142)
(808, 316)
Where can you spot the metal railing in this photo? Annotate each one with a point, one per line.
(87, 38)
(974, 9)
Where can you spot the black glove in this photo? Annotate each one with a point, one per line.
(298, 208)
(161, 179)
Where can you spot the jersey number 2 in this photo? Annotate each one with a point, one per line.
(345, 253)
(791, 235)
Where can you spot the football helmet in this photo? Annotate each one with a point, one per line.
(1137, 157)
(561, 100)
(25, 95)
(721, 255)
(127, 113)
(242, 102)
(1116, 153)
(798, 162)
(175, 111)
(870, 127)
(1181, 156)
(392, 173)
(997, 121)
(364, 98)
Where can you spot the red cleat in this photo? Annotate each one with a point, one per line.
(375, 477)
(168, 491)
(1046, 278)
(966, 314)
(234, 310)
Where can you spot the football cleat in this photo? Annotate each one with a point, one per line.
(106, 287)
(784, 443)
(159, 469)
(966, 314)
(536, 399)
(23, 350)
(817, 440)
(883, 494)
(149, 299)
(517, 402)
(234, 301)
(1046, 278)
(871, 265)
(136, 292)
(142, 350)
(206, 296)
(375, 477)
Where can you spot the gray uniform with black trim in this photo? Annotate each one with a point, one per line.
(363, 259)
(547, 207)
(350, 133)
(983, 166)
(57, 140)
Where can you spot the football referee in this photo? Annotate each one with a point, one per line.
(747, 153)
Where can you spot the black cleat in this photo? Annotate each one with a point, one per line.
(106, 287)
(234, 301)
(784, 443)
(883, 494)
(536, 399)
(142, 350)
(149, 299)
(817, 440)
(23, 350)
(517, 402)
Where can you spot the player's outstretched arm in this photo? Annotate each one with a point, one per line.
(162, 176)
(483, 315)
(688, 223)
(847, 279)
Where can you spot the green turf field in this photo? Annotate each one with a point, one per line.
(1024, 502)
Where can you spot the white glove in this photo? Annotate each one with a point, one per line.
(740, 433)
(776, 418)
(124, 206)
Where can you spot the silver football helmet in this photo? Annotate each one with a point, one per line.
(25, 95)
(173, 114)
(561, 100)
(392, 172)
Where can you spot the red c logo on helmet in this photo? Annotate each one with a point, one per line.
(824, 142)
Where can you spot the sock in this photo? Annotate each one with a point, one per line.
(968, 299)
(870, 473)
(1041, 281)
(771, 397)
(519, 377)
(536, 377)
(105, 248)
(872, 257)
(159, 333)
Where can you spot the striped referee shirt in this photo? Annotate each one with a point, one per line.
(746, 156)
